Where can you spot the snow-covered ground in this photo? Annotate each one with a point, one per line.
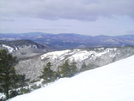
(76, 54)
(113, 82)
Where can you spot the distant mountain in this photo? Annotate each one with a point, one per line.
(24, 48)
(91, 57)
(68, 41)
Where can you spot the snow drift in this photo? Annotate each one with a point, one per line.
(113, 82)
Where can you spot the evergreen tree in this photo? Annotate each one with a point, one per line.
(68, 70)
(83, 67)
(65, 69)
(22, 80)
(73, 68)
(8, 77)
(47, 74)
(91, 66)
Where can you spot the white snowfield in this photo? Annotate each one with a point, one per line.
(113, 82)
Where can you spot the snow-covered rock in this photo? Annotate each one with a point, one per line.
(113, 82)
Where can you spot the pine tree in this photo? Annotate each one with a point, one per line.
(65, 69)
(22, 80)
(47, 74)
(68, 70)
(73, 68)
(83, 67)
(8, 77)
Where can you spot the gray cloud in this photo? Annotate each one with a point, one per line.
(67, 9)
(5, 19)
(62, 26)
(130, 32)
(3, 28)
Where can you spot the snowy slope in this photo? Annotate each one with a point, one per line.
(113, 82)
(91, 57)
(77, 54)
(96, 56)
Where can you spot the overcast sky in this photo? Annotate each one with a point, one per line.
(89, 17)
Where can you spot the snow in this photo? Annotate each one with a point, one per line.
(77, 55)
(55, 54)
(113, 82)
(2, 95)
(10, 49)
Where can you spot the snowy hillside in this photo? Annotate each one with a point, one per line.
(78, 54)
(113, 82)
(24, 49)
(97, 56)
(92, 57)
(16, 45)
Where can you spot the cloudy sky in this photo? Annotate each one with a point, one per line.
(89, 17)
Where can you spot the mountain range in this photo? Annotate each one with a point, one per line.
(70, 40)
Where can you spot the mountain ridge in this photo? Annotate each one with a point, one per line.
(24, 48)
(91, 57)
(71, 40)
